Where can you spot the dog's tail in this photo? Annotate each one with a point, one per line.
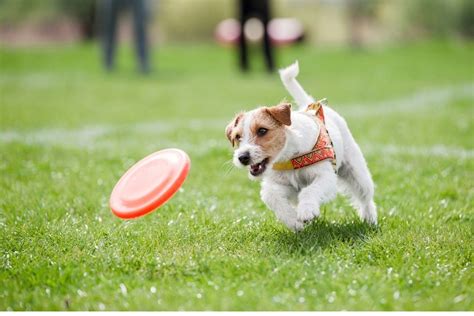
(288, 77)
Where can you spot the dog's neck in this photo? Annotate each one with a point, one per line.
(300, 136)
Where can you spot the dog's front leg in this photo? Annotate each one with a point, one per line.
(322, 190)
(279, 199)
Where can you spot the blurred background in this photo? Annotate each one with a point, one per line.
(324, 22)
(190, 47)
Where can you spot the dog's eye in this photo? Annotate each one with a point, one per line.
(236, 141)
(262, 131)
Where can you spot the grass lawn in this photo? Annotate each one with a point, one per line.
(68, 132)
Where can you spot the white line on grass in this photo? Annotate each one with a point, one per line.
(421, 100)
(438, 151)
(101, 136)
(201, 148)
(91, 138)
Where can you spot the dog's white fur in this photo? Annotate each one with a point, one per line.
(297, 195)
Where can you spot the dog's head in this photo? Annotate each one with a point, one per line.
(259, 136)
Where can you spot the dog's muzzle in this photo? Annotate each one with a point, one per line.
(259, 168)
(244, 158)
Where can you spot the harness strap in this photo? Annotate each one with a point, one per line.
(322, 150)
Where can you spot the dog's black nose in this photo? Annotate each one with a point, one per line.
(245, 158)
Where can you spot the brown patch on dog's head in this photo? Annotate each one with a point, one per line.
(281, 113)
(233, 131)
(268, 127)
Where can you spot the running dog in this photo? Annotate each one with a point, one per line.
(303, 158)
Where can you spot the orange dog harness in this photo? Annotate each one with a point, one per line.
(322, 150)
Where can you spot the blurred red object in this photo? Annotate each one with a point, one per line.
(227, 31)
(282, 31)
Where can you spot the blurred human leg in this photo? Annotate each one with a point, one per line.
(109, 14)
(243, 53)
(267, 48)
(140, 29)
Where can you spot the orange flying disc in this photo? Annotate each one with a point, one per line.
(149, 183)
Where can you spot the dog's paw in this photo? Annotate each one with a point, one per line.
(368, 213)
(370, 218)
(296, 226)
(292, 224)
(305, 212)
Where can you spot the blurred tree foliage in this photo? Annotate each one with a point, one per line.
(82, 11)
(12, 11)
(363, 8)
(439, 17)
(360, 13)
(193, 19)
(465, 21)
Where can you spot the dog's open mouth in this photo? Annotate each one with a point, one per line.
(258, 168)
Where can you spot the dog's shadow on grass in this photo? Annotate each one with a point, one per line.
(322, 234)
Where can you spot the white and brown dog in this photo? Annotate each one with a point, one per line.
(302, 157)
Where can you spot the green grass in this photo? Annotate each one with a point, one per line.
(68, 131)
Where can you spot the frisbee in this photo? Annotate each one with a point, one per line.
(149, 183)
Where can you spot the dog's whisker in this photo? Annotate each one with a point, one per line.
(228, 166)
(229, 170)
(227, 162)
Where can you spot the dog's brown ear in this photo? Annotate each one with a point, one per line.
(229, 130)
(281, 113)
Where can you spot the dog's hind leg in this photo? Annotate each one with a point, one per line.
(358, 184)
